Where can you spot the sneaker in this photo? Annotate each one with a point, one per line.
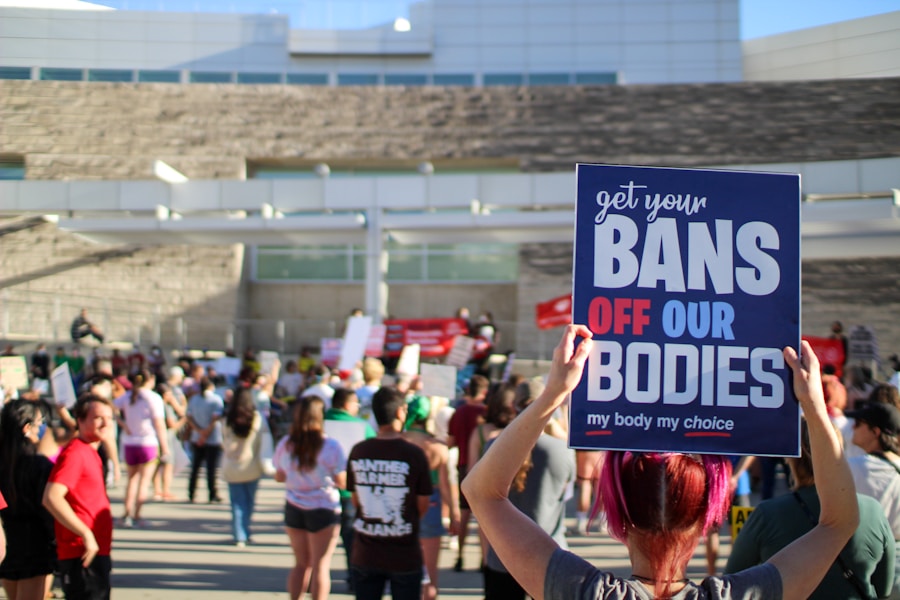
(215, 500)
(240, 544)
(127, 522)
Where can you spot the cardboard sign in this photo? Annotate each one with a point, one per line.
(862, 345)
(13, 372)
(461, 352)
(690, 282)
(353, 347)
(267, 360)
(554, 313)
(63, 390)
(409, 360)
(438, 380)
(739, 516)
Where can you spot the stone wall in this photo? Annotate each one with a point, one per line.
(134, 294)
(115, 130)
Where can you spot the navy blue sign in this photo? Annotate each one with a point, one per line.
(690, 281)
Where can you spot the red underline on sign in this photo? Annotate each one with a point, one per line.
(707, 434)
(599, 432)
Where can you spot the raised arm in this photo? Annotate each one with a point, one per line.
(523, 547)
(805, 561)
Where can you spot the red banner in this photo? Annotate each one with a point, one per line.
(434, 336)
(554, 313)
(829, 350)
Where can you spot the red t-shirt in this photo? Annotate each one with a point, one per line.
(461, 426)
(2, 502)
(79, 469)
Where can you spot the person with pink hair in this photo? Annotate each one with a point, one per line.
(658, 505)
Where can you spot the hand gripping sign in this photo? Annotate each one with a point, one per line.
(690, 281)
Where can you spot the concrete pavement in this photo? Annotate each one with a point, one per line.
(187, 553)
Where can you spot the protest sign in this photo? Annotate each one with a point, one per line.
(353, 347)
(690, 282)
(438, 380)
(461, 351)
(375, 343)
(409, 360)
(63, 390)
(267, 360)
(739, 516)
(830, 352)
(330, 351)
(434, 336)
(862, 345)
(13, 372)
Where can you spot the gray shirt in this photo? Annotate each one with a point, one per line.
(202, 408)
(572, 578)
(543, 499)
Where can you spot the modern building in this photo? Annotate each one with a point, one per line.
(204, 188)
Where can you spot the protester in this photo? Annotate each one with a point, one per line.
(313, 467)
(319, 379)
(82, 328)
(865, 567)
(641, 495)
(143, 422)
(877, 473)
(539, 491)
(391, 485)
(342, 422)
(27, 570)
(431, 527)
(204, 412)
(76, 497)
(2, 530)
(242, 469)
(176, 419)
(462, 424)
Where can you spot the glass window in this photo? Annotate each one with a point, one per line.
(15, 72)
(110, 75)
(405, 79)
(307, 79)
(210, 77)
(303, 265)
(454, 79)
(53, 74)
(357, 79)
(12, 169)
(548, 79)
(596, 78)
(502, 79)
(159, 76)
(258, 78)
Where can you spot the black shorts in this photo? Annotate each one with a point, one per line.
(463, 502)
(312, 520)
(91, 583)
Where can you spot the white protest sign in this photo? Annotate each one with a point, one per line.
(63, 390)
(461, 351)
(375, 343)
(267, 360)
(356, 336)
(13, 372)
(409, 360)
(438, 380)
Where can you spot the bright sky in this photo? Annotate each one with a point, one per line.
(758, 17)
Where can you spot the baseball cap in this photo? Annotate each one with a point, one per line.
(877, 414)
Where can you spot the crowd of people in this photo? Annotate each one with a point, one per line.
(370, 462)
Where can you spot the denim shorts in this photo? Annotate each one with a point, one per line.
(311, 520)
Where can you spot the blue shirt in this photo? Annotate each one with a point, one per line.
(202, 408)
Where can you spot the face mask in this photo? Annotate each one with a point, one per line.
(41, 430)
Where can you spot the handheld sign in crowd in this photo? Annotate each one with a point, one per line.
(690, 282)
